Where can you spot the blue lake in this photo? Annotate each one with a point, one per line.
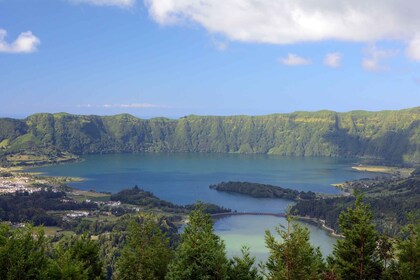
(184, 178)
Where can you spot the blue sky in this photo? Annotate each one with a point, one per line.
(178, 57)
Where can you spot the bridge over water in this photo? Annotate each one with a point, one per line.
(226, 214)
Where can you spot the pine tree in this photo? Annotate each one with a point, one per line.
(77, 257)
(356, 255)
(201, 253)
(64, 266)
(386, 256)
(385, 250)
(293, 257)
(147, 253)
(409, 251)
(22, 253)
(86, 250)
(243, 268)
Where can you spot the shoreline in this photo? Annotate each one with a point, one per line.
(314, 221)
(19, 178)
(385, 169)
(320, 224)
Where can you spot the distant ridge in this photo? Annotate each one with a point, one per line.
(388, 135)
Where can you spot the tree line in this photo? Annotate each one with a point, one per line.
(390, 201)
(323, 133)
(148, 253)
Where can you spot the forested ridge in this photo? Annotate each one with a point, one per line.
(261, 190)
(388, 135)
(389, 199)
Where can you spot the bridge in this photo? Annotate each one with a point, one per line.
(226, 214)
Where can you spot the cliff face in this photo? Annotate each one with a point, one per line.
(391, 135)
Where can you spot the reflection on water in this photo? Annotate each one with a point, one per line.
(238, 231)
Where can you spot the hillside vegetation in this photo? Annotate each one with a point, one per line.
(261, 190)
(390, 201)
(389, 135)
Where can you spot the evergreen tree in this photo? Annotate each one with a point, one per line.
(356, 255)
(112, 245)
(77, 257)
(85, 249)
(293, 257)
(409, 251)
(201, 253)
(385, 250)
(243, 268)
(22, 253)
(64, 266)
(146, 254)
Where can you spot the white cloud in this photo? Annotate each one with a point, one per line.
(26, 42)
(118, 3)
(294, 60)
(133, 105)
(413, 50)
(372, 60)
(333, 60)
(295, 21)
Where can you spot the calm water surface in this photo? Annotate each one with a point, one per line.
(185, 178)
(238, 231)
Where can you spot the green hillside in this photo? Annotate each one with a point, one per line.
(389, 135)
(390, 199)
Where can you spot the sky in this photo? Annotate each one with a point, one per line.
(173, 58)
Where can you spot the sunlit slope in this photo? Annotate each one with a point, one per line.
(391, 135)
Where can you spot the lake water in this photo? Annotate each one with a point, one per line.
(238, 231)
(184, 178)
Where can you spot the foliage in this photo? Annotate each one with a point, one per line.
(25, 253)
(409, 250)
(144, 250)
(137, 196)
(76, 257)
(201, 253)
(262, 190)
(293, 257)
(86, 250)
(146, 253)
(64, 266)
(22, 253)
(26, 207)
(390, 135)
(115, 235)
(356, 255)
(390, 200)
(243, 268)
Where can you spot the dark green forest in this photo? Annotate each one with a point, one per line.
(262, 190)
(390, 201)
(144, 249)
(392, 136)
(49, 208)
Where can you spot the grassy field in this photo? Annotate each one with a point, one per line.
(51, 230)
(81, 196)
(32, 159)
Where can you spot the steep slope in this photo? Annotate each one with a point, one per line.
(390, 135)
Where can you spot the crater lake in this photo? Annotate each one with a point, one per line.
(184, 178)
